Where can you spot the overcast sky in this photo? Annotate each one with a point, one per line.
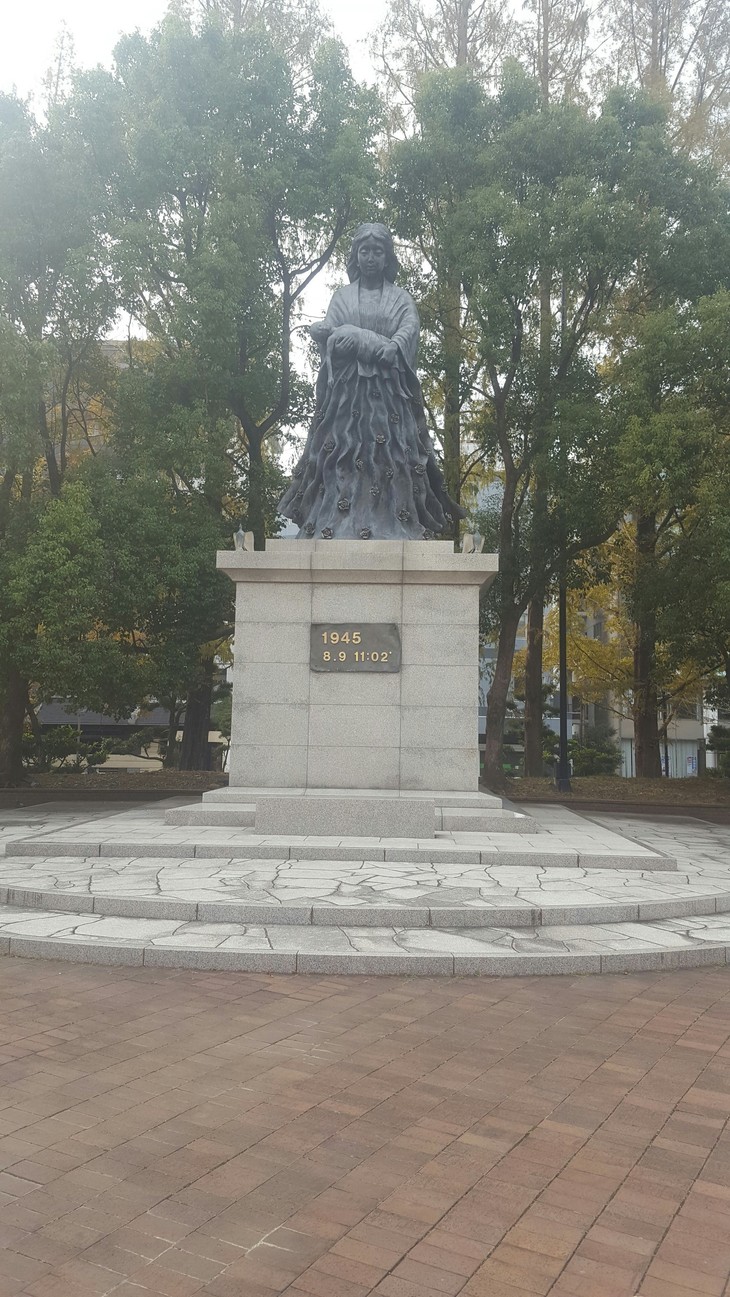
(30, 29)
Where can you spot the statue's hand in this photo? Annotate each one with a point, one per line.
(345, 344)
(387, 352)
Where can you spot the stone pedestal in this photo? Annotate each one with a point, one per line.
(298, 729)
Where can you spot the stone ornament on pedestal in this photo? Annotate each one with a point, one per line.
(363, 726)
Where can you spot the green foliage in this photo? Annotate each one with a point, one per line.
(669, 388)
(719, 742)
(595, 753)
(587, 760)
(221, 713)
(555, 220)
(571, 268)
(200, 185)
(231, 176)
(64, 747)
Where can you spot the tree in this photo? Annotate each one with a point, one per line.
(523, 187)
(677, 51)
(663, 601)
(55, 303)
(235, 153)
(231, 184)
(554, 46)
(670, 384)
(419, 36)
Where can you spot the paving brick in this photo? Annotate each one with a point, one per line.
(319, 1284)
(663, 1288)
(496, 1273)
(584, 1277)
(352, 1271)
(86, 1276)
(13, 1265)
(688, 1276)
(393, 1287)
(453, 1262)
(497, 1281)
(429, 1277)
(169, 1283)
(378, 1256)
(249, 1135)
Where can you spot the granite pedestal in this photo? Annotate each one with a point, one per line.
(401, 731)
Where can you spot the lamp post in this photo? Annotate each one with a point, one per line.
(562, 773)
(664, 703)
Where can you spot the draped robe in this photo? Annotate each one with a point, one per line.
(368, 469)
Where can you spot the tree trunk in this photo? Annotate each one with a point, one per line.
(535, 609)
(451, 320)
(13, 695)
(646, 705)
(646, 702)
(6, 490)
(54, 475)
(32, 715)
(170, 758)
(533, 688)
(543, 56)
(194, 750)
(462, 33)
(497, 699)
(256, 492)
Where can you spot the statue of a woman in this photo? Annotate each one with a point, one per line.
(368, 469)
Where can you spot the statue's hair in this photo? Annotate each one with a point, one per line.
(374, 230)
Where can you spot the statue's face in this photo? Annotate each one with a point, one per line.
(371, 257)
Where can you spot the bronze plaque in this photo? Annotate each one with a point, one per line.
(355, 646)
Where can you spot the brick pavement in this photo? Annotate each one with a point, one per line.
(180, 1133)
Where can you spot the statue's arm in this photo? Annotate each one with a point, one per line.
(340, 335)
(336, 318)
(398, 345)
(408, 328)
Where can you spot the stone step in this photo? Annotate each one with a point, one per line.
(466, 819)
(545, 851)
(241, 816)
(452, 819)
(475, 910)
(232, 796)
(569, 950)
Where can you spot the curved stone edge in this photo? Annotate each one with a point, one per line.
(319, 914)
(507, 965)
(438, 854)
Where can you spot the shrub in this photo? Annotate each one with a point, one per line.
(719, 742)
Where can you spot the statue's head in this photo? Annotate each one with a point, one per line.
(373, 230)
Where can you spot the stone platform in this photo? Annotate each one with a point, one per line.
(567, 843)
(378, 814)
(410, 725)
(585, 894)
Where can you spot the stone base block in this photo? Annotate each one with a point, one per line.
(241, 817)
(234, 796)
(386, 817)
(467, 820)
(299, 723)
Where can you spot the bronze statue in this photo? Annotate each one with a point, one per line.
(368, 470)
